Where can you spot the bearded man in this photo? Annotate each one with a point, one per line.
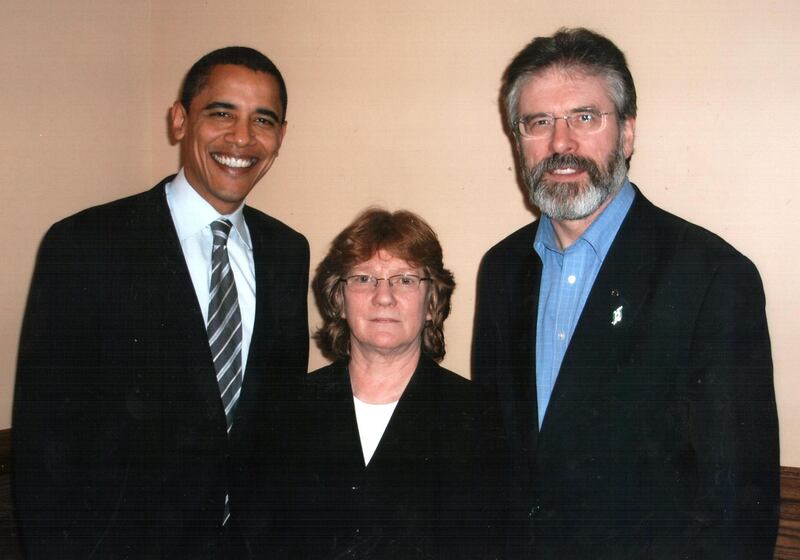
(628, 348)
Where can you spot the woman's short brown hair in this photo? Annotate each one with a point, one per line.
(404, 235)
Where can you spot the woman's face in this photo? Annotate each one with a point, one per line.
(385, 320)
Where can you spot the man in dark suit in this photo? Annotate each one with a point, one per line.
(163, 335)
(628, 348)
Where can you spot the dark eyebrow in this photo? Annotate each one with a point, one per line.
(231, 107)
(268, 113)
(219, 105)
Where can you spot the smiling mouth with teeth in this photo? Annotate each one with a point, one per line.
(229, 161)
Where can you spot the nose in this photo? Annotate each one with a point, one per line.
(563, 139)
(383, 294)
(240, 133)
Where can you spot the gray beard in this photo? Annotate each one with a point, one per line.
(575, 201)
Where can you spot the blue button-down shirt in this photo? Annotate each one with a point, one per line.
(567, 279)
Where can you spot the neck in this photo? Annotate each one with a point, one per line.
(381, 378)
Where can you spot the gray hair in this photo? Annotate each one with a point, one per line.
(572, 50)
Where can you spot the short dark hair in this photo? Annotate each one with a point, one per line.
(571, 49)
(198, 75)
(404, 235)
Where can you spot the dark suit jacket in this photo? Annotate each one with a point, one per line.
(660, 438)
(429, 489)
(120, 442)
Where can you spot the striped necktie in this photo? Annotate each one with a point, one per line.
(225, 321)
(225, 327)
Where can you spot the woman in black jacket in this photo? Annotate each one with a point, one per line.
(399, 457)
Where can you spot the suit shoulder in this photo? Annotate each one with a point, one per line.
(513, 246)
(106, 220)
(450, 385)
(694, 242)
(327, 377)
(326, 384)
(458, 401)
(450, 378)
(324, 373)
(520, 240)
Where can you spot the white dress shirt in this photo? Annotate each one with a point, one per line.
(193, 216)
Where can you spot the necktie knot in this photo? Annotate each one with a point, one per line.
(221, 229)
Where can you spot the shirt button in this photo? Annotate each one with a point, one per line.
(561, 336)
(571, 279)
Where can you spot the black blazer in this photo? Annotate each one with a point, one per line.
(120, 443)
(660, 438)
(429, 490)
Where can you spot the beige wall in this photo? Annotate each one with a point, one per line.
(396, 104)
(75, 97)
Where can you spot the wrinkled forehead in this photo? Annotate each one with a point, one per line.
(563, 88)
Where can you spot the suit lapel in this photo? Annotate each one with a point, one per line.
(260, 343)
(519, 397)
(255, 391)
(265, 316)
(404, 425)
(345, 443)
(184, 353)
(170, 253)
(176, 280)
(335, 421)
(523, 322)
(603, 334)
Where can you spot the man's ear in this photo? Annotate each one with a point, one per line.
(178, 118)
(628, 136)
(281, 134)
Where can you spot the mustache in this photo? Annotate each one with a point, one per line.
(557, 161)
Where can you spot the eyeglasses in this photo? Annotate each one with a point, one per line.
(542, 125)
(402, 283)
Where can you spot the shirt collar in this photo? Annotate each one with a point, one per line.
(600, 233)
(191, 212)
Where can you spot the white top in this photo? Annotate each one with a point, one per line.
(372, 420)
(192, 217)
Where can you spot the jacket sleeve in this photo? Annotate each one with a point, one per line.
(297, 350)
(734, 423)
(67, 470)
(485, 341)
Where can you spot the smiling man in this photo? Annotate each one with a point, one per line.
(163, 336)
(628, 348)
